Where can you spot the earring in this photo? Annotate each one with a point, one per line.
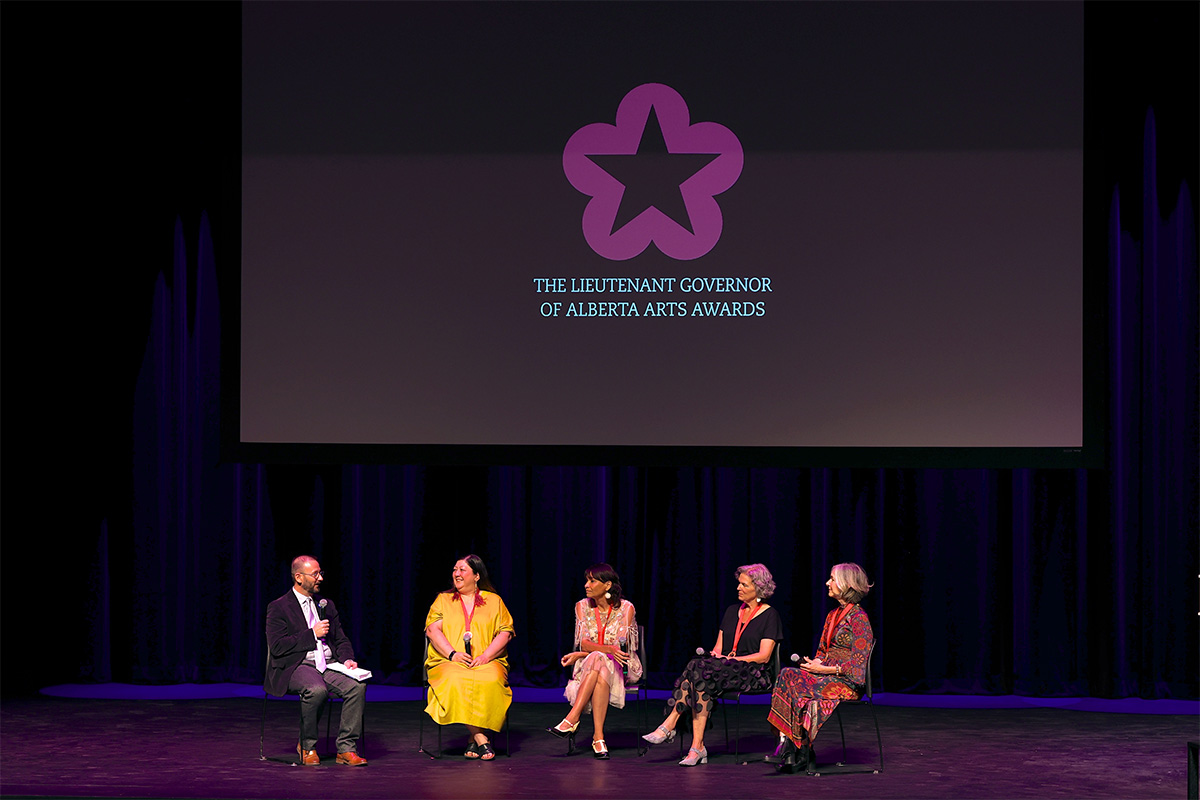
(608, 595)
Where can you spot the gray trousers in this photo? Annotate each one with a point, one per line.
(314, 688)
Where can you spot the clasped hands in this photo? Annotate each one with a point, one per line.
(816, 666)
(459, 657)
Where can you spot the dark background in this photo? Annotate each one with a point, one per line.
(132, 553)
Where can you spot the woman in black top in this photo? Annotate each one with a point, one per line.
(740, 661)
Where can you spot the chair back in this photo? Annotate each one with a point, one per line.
(775, 665)
(641, 653)
(869, 693)
(425, 663)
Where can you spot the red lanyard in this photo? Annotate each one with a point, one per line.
(600, 626)
(469, 616)
(741, 626)
(831, 624)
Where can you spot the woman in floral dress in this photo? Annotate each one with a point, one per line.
(806, 696)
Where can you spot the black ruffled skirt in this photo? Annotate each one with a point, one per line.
(706, 678)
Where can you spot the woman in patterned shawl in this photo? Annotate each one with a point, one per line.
(806, 696)
(605, 655)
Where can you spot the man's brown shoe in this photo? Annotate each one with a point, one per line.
(350, 758)
(308, 757)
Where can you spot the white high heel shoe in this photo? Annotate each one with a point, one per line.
(695, 757)
(659, 735)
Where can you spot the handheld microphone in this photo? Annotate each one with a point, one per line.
(795, 658)
(700, 651)
(321, 611)
(467, 643)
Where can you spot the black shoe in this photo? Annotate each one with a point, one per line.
(561, 732)
(806, 759)
(785, 749)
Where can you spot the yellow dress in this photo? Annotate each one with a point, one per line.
(477, 696)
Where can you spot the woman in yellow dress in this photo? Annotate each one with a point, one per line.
(469, 628)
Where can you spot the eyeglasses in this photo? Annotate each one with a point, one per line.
(313, 574)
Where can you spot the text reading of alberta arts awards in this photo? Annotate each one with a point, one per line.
(687, 297)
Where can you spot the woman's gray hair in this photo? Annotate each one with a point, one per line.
(853, 581)
(760, 576)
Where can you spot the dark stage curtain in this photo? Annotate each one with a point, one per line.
(1035, 582)
(152, 560)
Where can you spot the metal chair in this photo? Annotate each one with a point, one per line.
(867, 699)
(640, 693)
(262, 728)
(421, 730)
(737, 698)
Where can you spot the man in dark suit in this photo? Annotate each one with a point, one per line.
(304, 636)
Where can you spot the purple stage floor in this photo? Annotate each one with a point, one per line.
(385, 693)
(57, 747)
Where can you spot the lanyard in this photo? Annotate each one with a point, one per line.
(469, 616)
(743, 621)
(600, 626)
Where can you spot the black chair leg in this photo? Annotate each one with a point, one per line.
(725, 721)
(421, 739)
(329, 726)
(642, 746)
(262, 731)
(737, 731)
(842, 766)
(878, 736)
(842, 731)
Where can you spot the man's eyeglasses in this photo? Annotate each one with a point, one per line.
(313, 574)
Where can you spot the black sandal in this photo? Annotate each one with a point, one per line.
(486, 753)
(472, 750)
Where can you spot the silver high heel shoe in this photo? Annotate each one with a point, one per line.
(695, 757)
(659, 735)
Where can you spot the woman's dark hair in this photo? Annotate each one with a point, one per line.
(479, 568)
(604, 573)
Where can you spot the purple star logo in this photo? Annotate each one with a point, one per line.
(667, 195)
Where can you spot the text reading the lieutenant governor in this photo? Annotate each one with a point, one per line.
(653, 297)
